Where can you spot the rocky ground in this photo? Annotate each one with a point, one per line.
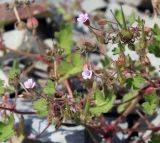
(74, 134)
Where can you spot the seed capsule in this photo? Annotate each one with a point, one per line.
(20, 25)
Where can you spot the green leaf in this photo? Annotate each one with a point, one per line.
(129, 83)
(154, 47)
(14, 71)
(49, 88)
(149, 108)
(140, 21)
(116, 51)
(71, 66)
(6, 128)
(124, 20)
(157, 38)
(41, 107)
(131, 18)
(65, 67)
(103, 103)
(64, 37)
(11, 120)
(155, 139)
(138, 81)
(151, 103)
(105, 61)
(126, 101)
(151, 98)
(118, 15)
(135, 82)
(99, 98)
(156, 29)
(6, 131)
(2, 89)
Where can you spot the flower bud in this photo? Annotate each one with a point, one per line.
(32, 23)
(147, 29)
(150, 90)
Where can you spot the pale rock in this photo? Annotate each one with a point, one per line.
(91, 5)
(4, 77)
(132, 2)
(13, 39)
(49, 42)
(114, 6)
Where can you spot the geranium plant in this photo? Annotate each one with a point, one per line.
(121, 86)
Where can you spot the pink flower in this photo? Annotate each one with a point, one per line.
(29, 84)
(32, 23)
(83, 18)
(87, 73)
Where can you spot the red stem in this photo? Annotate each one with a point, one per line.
(69, 88)
(29, 55)
(17, 111)
(128, 110)
(134, 127)
(144, 119)
(140, 129)
(43, 131)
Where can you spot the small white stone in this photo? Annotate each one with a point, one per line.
(91, 5)
(13, 39)
(4, 77)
